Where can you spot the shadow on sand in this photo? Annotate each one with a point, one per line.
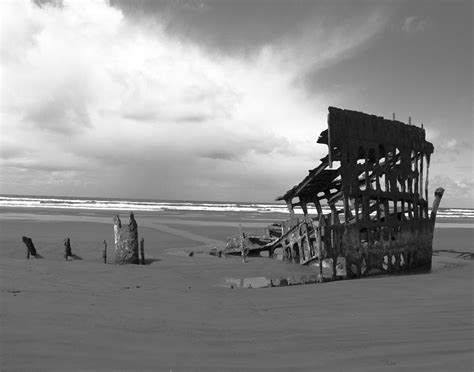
(74, 257)
(149, 261)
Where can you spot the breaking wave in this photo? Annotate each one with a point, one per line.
(160, 206)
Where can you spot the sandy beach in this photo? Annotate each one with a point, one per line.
(176, 313)
(348, 124)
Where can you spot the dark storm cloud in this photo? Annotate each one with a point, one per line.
(246, 25)
(223, 25)
(427, 76)
(220, 99)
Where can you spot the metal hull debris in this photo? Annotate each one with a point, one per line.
(375, 182)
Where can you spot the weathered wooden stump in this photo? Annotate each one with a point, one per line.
(67, 249)
(126, 241)
(438, 195)
(30, 247)
(133, 238)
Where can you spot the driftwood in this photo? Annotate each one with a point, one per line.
(30, 247)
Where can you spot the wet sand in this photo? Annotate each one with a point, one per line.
(175, 314)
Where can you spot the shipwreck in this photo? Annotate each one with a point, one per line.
(368, 200)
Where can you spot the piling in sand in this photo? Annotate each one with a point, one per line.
(67, 249)
(30, 247)
(126, 241)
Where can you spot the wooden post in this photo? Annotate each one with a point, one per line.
(67, 248)
(104, 252)
(133, 238)
(142, 251)
(438, 195)
(126, 241)
(117, 236)
(30, 247)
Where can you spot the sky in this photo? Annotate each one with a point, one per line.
(222, 100)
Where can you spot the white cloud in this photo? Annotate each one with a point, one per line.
(85, 90)
(459, 192)
(412, 25)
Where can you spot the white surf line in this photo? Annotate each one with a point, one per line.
(451, 225)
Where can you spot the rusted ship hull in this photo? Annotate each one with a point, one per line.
(375, 182)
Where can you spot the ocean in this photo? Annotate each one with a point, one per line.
(60, 202)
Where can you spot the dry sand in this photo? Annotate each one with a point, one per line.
(173, 314)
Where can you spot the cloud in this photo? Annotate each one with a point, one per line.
(196, 6)
(125, 103)
(459, 192)
(451, 149)
(448, 146)
(413, 25)
(228, 147)
(40, 166)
